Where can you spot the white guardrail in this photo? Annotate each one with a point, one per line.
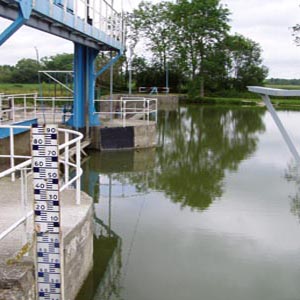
(19, 107)
(71, 139)
(129, 108)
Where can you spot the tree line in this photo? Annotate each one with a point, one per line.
(190, 40)
(26, 69)
(187, 43)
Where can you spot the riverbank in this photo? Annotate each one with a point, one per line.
(279, 102)
(245, 98)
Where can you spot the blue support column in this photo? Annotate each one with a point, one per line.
(93, 118)
(84, 86)
(78, 119)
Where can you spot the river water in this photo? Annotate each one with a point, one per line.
(211, 213)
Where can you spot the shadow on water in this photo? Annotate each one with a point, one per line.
(104, 281)
(197, 146)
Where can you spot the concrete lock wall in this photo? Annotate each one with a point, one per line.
(17, 279)
(130, 137)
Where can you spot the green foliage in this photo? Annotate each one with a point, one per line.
(192, 37)
(62, 62)
(25, 71)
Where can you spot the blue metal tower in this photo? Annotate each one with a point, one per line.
(92, 27)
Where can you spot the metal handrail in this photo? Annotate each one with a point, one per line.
(144, 108)
(64, 148)
(33, 106)
(12, 107)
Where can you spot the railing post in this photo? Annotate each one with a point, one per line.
(156, 111)
(53, 109)
(78, 181)
(12, 107)
(12, 152)
(25, 106)
(67, 157)
(24, 201)
(124, 113)
(148, 112)
(144, 108)
(35, 103)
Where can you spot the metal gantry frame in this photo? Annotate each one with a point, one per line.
(93, 26)
(265, 94)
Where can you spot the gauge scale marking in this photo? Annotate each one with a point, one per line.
(46, 211)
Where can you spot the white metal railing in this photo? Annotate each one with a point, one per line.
(20, 107)
(71, 139)
(98, 13)
(53, 109)
(129, 108)
(16, 105)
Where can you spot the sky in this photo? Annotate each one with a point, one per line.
(267, 22)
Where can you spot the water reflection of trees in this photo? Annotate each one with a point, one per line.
(292, 174)
(199, 145)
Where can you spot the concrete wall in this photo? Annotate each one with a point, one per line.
(17, 280)
(78, 255)
(144, 136)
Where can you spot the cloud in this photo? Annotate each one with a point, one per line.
(269, 23)
(22, 43)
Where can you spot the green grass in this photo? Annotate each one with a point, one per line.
(49, 90)
(285, 87)
(28, 88)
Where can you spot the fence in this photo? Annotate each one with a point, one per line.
(128, 108)
(14, 106)
(71, 138)
(20, 107)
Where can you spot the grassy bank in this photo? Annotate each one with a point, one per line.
(238, 99)
(46, 89)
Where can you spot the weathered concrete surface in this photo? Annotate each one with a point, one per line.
(145, 136)
(17, 274)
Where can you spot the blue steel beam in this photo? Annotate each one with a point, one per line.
(108, 65)
(59, 17)
(25, 8)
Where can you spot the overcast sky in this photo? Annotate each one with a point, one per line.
(267, 22)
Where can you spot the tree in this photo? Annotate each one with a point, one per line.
(152, 22)
(25, 71)
(197, 25)
(6, 73)
(244, 62)
(61, 62)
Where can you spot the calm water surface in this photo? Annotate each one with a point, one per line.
(212, 213)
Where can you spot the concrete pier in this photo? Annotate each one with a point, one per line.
(17, 271)
(111, 135)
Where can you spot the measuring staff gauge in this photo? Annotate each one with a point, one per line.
(44, 140)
